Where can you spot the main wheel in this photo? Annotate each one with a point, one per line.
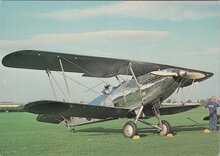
(129, 129)
(166, 128)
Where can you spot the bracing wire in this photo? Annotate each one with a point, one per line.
(59, 87)
(84, 85)
(88, 72)
(80, 84)
(83, 69)
(94, 86)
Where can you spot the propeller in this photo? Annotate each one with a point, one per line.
(181, 73)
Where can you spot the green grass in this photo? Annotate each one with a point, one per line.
(21, 134)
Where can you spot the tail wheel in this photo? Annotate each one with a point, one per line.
(129, 129)
(166, 128)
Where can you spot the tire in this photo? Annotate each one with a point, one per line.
(166, 128)
(129, 129)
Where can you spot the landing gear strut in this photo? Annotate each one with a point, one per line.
(70, 128)
(130, 128)
(163, 127)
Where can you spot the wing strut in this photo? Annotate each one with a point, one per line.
(184, 100)
(189, 91)
(64, 77)
(51, 84)
(58, 86)
(135, 78)
(139, 87)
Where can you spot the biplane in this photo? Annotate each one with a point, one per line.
(136, 99)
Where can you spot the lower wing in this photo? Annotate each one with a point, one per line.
(55, 111)
(166, 110)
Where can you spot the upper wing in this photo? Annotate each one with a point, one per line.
(64, 109)
(88, 65)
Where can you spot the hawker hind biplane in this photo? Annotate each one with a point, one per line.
(138, 98)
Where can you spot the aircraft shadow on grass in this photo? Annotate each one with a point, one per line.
(196, 127)
(100, 130)
(175, 129)
(107, 131)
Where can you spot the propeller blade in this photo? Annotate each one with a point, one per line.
(164, 73)
(194, 75)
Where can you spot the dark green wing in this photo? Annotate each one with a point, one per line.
(88, 65)
(166, 110)
(64, 109)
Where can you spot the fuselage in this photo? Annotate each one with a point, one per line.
(128, 94)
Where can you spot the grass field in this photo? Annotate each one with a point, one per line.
(21, 134)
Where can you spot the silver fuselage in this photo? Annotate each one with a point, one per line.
(129, 94)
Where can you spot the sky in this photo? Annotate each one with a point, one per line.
(185, 34)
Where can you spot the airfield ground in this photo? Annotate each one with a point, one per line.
(21, 135)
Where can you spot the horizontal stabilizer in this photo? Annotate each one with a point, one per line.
(55, 119)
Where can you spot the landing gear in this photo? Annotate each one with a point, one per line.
(70, 127)
(166, 128)
(129, 129)
(163, 127)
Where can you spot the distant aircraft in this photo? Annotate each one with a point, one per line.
(138, 98)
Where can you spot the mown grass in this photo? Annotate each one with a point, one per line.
(21, 134)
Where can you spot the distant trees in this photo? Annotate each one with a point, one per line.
(203, 102)
(174, 101)
(200, 101)
(12, 109)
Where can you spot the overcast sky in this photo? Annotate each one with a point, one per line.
(185, 34)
